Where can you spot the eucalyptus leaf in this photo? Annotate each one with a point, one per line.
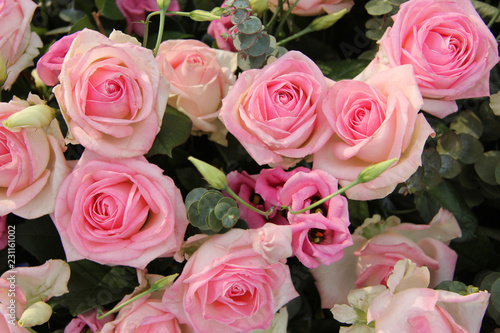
(450, 167)
(449, 143)
(239, 16)
(250, 26)
(378, 7)
(467, 122)
(109, 9)
(194, 216)
(208, 201)
(485, 166)
(213, 222)
(221, 209)
(495, 294)
(472, 148)
(246, 62)
(243, 4)
(243, 42)
(194, 195)
(71, 15)
(231, 217)
(260, 47)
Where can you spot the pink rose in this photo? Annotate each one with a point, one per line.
(371, 261)
(450, 48)
(374, 121)
(18, 45)
(275, 112)
(49, 65)
(218, 27)
(199, 77)
(86, 322)
(32, 164)
(119, 212)
(111, 94)
(228, 285)
(427, 310)
(321, 234)
(135, 12)
(315, 7)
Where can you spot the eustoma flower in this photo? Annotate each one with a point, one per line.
(275, 112)
(450, 48)
(374, 121)
(119, 212)
(111, 94)
(234, 282)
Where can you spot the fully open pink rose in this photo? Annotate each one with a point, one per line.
(135, 12)
(275, 112)
(427, 310)
(111, 94)
(230, 285)
(450, 48)
(199, 77)
(374, 121)
(315, 7)
(49, 65)
(18, 45)
(119, 212)
(32, 164)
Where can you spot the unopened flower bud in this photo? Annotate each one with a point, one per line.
(3, 71)
(164, 282)
(163, 4)
(37, 314)
(326, 21)
(35, 116)
(38, 82)
(202, 15)
(212, 175)
(373, 171)
(258, 6)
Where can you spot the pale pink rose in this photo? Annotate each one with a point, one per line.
(243, 185)
(427, 310)
(228, 286)
(32, 164)
(275, 112)
(135, 12)
(374, 121)
(449, 46)
(111, 94)
(315, 7)
(321, 234)
(3, 232)
(49, 65)
(87, 321)
(119, 212)
(18, 45)
(371, 261)
(199, 77)
(217, 28)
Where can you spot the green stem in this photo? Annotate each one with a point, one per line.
(115, 309)
(317, 203)
(494, 18)
(246, 204)
(285, 17)
(146, 27)
(163, 11)
(271, 23)
(297, 35)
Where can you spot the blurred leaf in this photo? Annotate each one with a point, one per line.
(485, 10)
(81, 24)
(474, 254)
(342, 69)
(71, 15)
(467, 122)
(449, 198)
(246, 62)
(240, 4)
(194, 216)
(486, 165)
(175, 130)
(378, 7)
(374, 34)
(251, 26)
(449, 143)
(239, 16)
(108, 9)
(92, 284)
(495, 294)
(431, 163)
(35, 235)
(472, 148)
(491, 129)
(358, 212)
(450, 167)
(427, 206)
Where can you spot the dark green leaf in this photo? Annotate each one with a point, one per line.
(175, 130)
(342, 69)
(213, 222)
(250, 26)
(485, 166)
(243, 4)
(71, 15)
(243, 42)
(91, 285)
(194, 195)
(228, 201)
(239, 16)
(195, 218)
(449, 143)
(108, 9)
(449, 198)
(260, 47)
(467, 122)
(450, 167)
(378, 7)
(221, 209)
(208, 201)
(231, 217)
(495, 294)
(472, 148)
(81, 24)
(246, 62)
(35, 235)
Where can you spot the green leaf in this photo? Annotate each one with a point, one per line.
(108, 9)
(221, 209)
(246, 62)
(449, 143)
(450, 167)
(208, 201)
(242, 4)
(449, 198)
(467, 122)
(239, 16)
(213, 222)
(342, 69)
(34, 235)
(260, 47)
(485, 10)
(495, 294)
(71, 15)
(486, 165)
(175, 130)
(431, 163)
(251, 26)
(231, 217)
(92, 284)
(195, 218)
(81, 24)
(472, 148)
(378, 7)
(194, 195)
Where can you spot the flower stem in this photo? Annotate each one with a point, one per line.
(246, 204)
(297, 35)
(285, 17)
(494, 18)
(163, 12)
(146, 27)
(116, 308)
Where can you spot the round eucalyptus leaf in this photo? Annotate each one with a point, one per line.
(495, 294)
(208, 201)
(378, 7)
(252, 25)
(486, 165)
(195, 218)
(243, 42)
(194, 195)
(450, 167)
(229, 201)
(260, 47)
(472, 148)
(221, 209)
(449, 143)
(213, 222)
(467, 122)
(239, 16)
(246, 62)
(241, 4)
(230, 219)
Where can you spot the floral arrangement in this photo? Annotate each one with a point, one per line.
(249, 166)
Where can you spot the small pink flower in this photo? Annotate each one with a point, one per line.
(217, 28)
(87, 321)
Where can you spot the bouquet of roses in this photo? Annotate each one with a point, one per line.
(249, 166)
